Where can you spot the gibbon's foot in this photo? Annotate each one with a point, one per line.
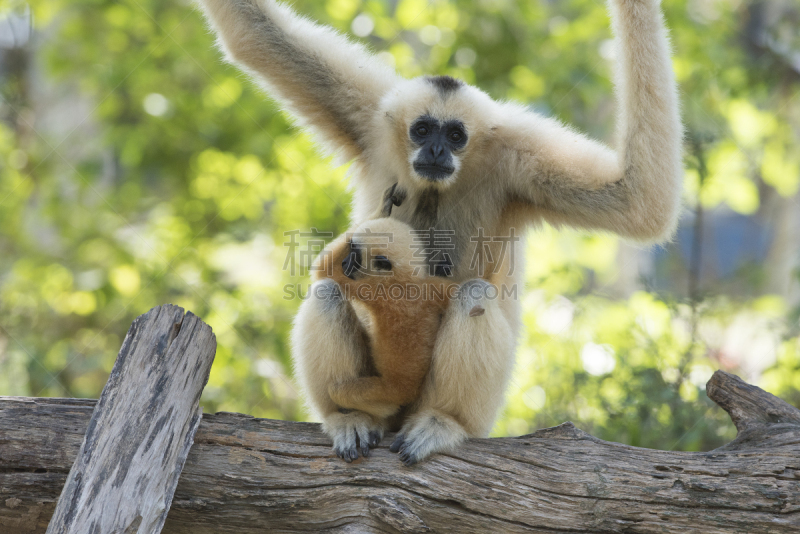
(427, 432)
(353, 432)
(397, 443)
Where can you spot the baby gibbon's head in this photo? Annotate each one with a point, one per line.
(382, 248)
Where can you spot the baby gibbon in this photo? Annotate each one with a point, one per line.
(374, 266)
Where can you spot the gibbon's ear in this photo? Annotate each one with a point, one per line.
(393, 196)
(329, 84)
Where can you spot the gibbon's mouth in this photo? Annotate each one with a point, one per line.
(433, 172)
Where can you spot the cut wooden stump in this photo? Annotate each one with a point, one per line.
(140, 433)
(247, 475)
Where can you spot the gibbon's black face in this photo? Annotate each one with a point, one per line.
(354, 264)
(437, 142)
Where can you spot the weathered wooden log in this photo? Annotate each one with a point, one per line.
(247, 475)
(138, 438)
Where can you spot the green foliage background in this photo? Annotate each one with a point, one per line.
(178, 179)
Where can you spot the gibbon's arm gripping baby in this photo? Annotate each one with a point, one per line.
(373, 266)
(477, 170)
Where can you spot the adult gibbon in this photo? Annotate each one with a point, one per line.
(473, 169)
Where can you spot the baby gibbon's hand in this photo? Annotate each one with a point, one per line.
(393, 196)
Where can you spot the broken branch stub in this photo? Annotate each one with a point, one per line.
(136, 443)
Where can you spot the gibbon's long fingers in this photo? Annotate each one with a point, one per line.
(399, 439)
(352, 431)
(331, 84)
(393, 196)
(576, 181)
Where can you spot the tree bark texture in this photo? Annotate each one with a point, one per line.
(136, 443)
(247, 475)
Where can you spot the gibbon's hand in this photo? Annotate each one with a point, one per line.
(572, 180)
(393, 196)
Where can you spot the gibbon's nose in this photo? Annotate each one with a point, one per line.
(437, 149)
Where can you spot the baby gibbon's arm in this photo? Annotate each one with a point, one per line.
(328, 83)
(380, 396)
(574, 180)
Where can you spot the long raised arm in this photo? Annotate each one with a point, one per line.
(574, 180)
(328, 83)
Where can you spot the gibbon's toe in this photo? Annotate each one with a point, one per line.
(348, 453)
(363, 445)
(397, 443)
(407, 457)
(411, 452)
(345, 446)
(375, 437)
(352, 431)
(368, 436)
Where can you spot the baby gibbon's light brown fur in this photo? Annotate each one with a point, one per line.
(516, 169)
(405, 310)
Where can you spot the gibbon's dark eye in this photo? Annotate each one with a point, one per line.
(422, 130)
(456, 137)
(351, 265)
(382, 263)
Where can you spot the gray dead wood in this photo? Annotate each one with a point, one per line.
(139, 435)
(247, 475)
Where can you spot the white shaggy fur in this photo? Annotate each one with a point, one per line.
(518, 168)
